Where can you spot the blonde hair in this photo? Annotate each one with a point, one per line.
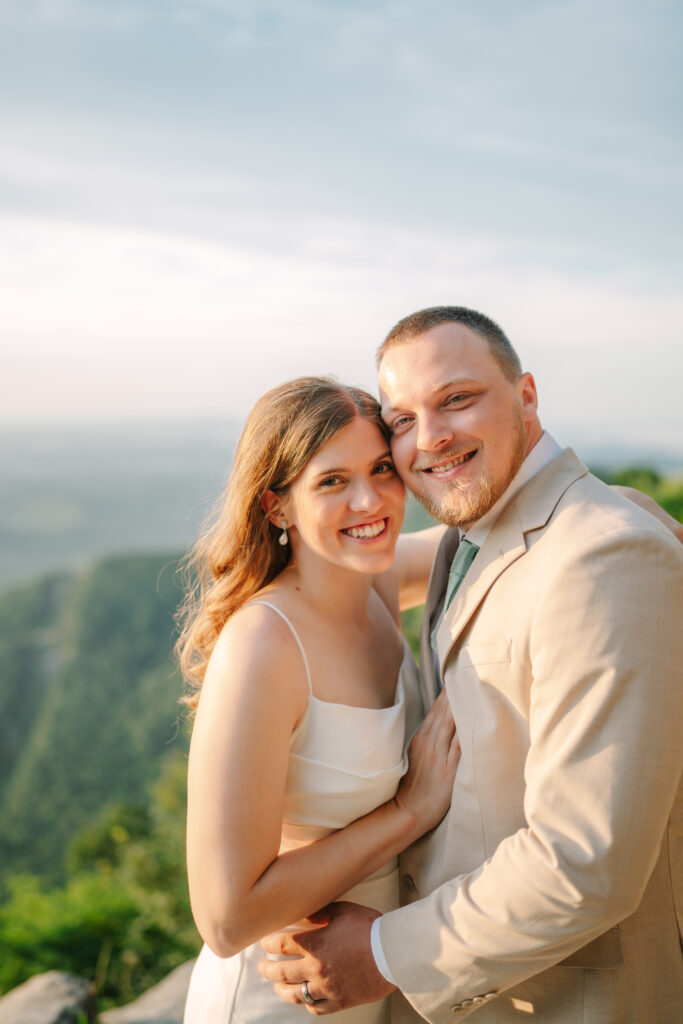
(239, 553)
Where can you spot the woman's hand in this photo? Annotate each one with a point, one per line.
(426, 789)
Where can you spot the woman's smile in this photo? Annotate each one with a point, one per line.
(367, 531)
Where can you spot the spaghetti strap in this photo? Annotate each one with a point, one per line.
(296, 637)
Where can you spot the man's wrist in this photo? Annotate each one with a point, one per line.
(378, 953)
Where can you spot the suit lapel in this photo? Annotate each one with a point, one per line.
(503, 546)
(530, 509)
(435, 594)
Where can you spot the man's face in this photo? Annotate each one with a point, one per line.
(460, 429)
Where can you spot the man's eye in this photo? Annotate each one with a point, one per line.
(456, 399)
(400, 423)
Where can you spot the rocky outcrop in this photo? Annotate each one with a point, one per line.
(59, 998)
(52, 998)
(163, 1004)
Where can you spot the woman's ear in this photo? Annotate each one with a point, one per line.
(271, 503)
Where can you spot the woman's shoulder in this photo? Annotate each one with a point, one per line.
(257, 646)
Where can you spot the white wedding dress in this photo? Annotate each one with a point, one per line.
(343, 762)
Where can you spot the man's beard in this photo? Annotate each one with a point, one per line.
(466, 503)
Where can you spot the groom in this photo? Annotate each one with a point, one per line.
(552, 890)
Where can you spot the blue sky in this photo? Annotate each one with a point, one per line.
(200, 198)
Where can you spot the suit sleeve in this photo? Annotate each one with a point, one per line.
(604, 762)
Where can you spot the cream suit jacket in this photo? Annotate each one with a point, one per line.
(562, 656)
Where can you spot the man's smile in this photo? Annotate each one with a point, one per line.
(441, 468)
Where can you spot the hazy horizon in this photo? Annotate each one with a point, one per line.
(75, 493)
(170, 428)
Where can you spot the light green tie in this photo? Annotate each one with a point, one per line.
(463, 559)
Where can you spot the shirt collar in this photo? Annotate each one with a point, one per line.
(543, 452)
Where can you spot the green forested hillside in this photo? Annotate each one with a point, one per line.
(27, 617)
(667, 491)
(122, 915)
(92, 782)
(88, 701)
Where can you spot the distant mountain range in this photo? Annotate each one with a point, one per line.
(75, 493)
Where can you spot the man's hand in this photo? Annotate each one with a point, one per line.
(335, 961)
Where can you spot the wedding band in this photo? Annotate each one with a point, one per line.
(306, 995)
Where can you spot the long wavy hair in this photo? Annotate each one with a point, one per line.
(238, 553)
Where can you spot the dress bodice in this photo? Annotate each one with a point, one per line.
(344, 761)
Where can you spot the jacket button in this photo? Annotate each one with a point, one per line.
(409, 883)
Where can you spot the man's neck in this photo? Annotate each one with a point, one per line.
(539, 455)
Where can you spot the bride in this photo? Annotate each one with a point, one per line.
(300, 791)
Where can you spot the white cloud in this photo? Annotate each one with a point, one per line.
(99, 320)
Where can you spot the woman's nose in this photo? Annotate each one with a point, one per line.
(366, 496)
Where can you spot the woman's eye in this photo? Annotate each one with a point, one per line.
(456, 399)
(383, 468)
(330, 481)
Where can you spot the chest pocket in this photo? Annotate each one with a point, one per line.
(481, 653)
(486, 670)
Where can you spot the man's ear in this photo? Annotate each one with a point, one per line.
(272, 505)
(526, 388)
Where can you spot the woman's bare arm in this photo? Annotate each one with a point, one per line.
(254, 694)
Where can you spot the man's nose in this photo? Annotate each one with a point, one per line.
(433, 432)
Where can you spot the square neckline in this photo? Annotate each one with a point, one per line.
(397, 701)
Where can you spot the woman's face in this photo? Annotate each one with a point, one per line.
(347, 505)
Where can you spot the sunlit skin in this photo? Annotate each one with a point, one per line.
(346, 508)
(460, 429)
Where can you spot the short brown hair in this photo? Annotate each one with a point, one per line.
(412, 326)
